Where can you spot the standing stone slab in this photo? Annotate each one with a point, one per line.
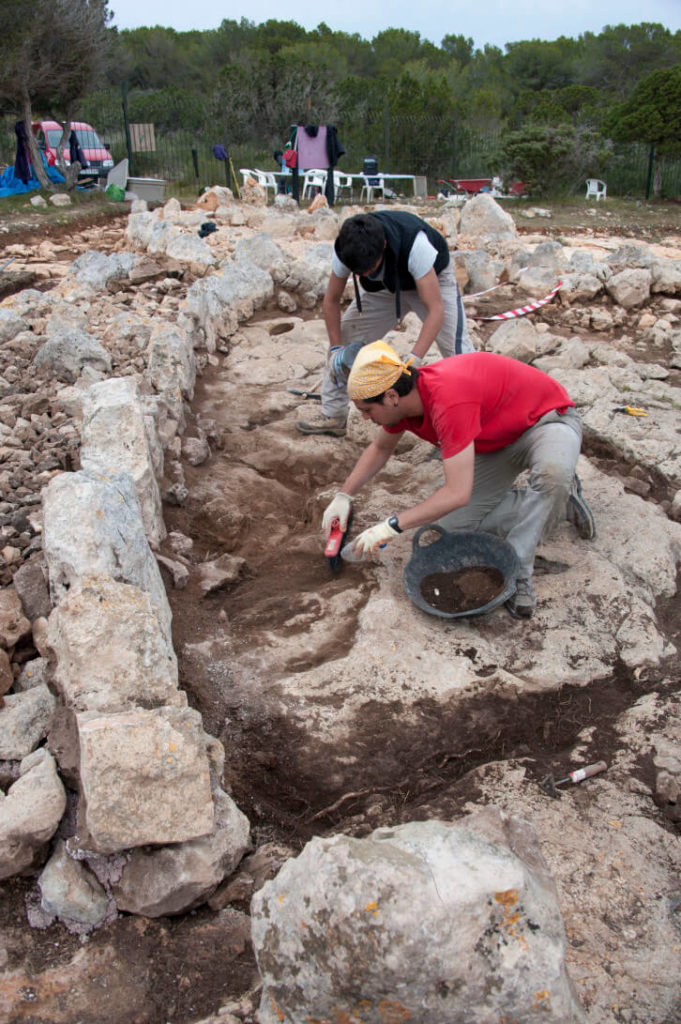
(427, 922)
(171, 363)
(173, 879)
(110, 650)
(114, 438)
(93, 527)
(30, 813)
(144, 779)
(70, 891)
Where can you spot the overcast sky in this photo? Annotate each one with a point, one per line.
(495, 21)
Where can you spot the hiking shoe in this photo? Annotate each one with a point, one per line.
(318, 423)
(578, 512)
(523, 603)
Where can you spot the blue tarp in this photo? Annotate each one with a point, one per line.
(10, 185)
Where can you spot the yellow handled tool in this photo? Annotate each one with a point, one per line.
(630, 410)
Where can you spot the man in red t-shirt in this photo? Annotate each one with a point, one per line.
(491, 417)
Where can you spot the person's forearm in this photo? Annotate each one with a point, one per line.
(367, 466)
(332, 319)
(429, 331)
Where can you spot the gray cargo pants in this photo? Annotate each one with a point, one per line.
(378, 317)
(549, 449)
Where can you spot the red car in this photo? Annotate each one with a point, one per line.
(98, 158)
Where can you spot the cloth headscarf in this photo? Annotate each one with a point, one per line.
(375, 369)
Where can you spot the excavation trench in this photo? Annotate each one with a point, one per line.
(238, 649)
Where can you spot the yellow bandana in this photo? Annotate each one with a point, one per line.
(376, 368)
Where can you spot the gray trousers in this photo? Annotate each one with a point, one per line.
(378, 317)
(549, 450)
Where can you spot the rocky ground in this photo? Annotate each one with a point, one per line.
(340, 705)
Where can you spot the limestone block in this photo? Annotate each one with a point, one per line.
(428, 921)
(139, 227)
(93, 270)
(24, 721)
(30, 582)
(144, 778)
(666, 277)
(261, 249)
(69, 351)
(70, 891)
(114, 438)
(93, 527)
(13, 623)
(10, 325)
(483, 272)
(515, 338)
(110, 650)
(30, 813)
(217, 304)
(173, 879)
(170, 360)
(537, 282)
(630, 287)
(192, 250)
(483, 216)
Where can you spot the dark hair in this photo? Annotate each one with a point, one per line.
(360, 243)
(403, 385)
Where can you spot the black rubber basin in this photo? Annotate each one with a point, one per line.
(460, 550)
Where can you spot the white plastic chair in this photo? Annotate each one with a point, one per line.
(266, 180)
(341, 182)
(595, 187)
(314, 179)
(372, 183)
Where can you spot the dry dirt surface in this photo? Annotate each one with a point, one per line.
(367, 755)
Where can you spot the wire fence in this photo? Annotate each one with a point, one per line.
(435, 147)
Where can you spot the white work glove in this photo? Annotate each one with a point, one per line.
(337, 511)
(416, 361)
(372, 539)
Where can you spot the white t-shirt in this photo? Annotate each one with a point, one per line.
(422, 256)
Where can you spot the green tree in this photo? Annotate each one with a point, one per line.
(52, 51)
(621, 55)
(460, 48)
(651, 114)
(538, 155)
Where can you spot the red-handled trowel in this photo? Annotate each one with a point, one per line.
(335, 543)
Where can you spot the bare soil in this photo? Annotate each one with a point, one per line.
(462, 590)
(397, 766)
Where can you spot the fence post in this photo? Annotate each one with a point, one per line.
(454, 150)
(126, 125)
(651, 163)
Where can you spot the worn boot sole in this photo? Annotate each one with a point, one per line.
(308, 428)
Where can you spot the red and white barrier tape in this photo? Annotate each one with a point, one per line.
(522, 310)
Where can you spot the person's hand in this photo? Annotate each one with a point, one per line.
(416, 361)
(338, 510)
(372, 539)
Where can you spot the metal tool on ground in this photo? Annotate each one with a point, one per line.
(550, 784)
(221, 153)
(7, 263)
(305, 394)
(630, 410)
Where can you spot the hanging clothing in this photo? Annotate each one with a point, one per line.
(75, 151)
(22, 163)
(312, 149)
(334, 151)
